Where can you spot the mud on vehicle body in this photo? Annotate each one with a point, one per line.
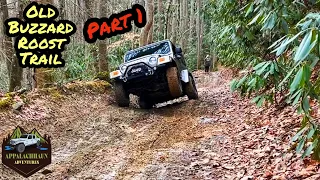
(155, 73)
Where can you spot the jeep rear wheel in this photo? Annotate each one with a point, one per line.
(144, 103)
(191, 89)
(174, 83)
(122, 97)
(20, 148)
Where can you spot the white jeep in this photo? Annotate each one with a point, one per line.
(25, 140)
(155, 73)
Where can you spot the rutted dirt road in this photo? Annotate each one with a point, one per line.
(220, 136)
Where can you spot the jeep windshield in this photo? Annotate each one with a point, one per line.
(24, 136)
(160, 49)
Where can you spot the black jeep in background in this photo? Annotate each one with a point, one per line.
(155, 73)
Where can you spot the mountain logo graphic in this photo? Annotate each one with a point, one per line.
(26, 153)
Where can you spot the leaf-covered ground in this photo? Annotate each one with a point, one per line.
(220, 136)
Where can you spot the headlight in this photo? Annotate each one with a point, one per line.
(123, 68)
(115, 74)
(153, 61)
(164, 59)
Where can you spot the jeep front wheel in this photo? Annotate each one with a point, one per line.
(122, 97)
(191, 89)
(174, 83)
(20, 148)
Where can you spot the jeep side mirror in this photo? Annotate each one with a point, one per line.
(178, 50)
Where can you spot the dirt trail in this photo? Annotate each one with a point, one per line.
(216, 137)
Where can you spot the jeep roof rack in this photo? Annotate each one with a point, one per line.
(166, 40)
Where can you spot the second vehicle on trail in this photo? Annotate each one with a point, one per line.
(155, 73)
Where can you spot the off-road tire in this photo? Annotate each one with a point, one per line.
(191, 89)
(122, 97)
(174, 82)
(145, 104)
(20, 148)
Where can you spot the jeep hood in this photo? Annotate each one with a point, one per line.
(146, 57)
(17, 140)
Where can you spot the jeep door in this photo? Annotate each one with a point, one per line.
(34, 139)
(29, 140)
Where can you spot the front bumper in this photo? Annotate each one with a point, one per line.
(139, 70)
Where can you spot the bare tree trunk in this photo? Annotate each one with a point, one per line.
(174, 21)
(43, 76)
(146, 29)
(201, 41)
(167, 17)
(103, 65)
(13, 67)
(198, 34)
(184, 24)
(8, 48)
(181, 28)
(214, 62)
(150, 35)
(160, 18)
(2, 35)
(169, 24)
(192, 22)
(62, 9)
(89, 5)
(16, 70)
